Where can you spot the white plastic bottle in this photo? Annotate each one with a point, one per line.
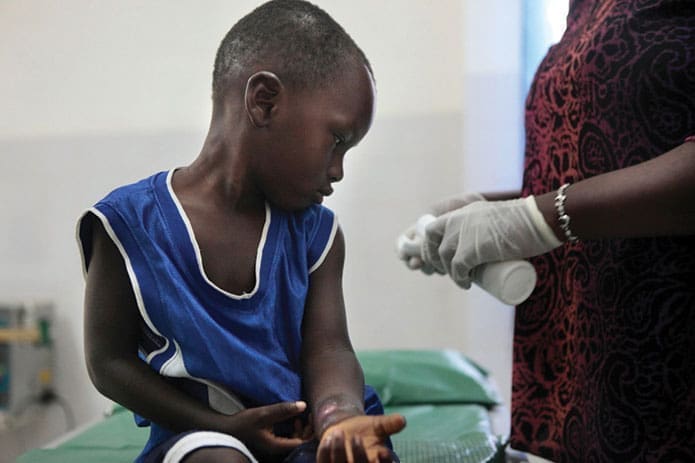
(512, 282)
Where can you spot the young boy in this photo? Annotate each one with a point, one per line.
(213, 303)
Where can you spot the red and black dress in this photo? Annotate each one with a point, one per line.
(604, 350)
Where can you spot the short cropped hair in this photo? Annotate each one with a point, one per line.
(294, 39)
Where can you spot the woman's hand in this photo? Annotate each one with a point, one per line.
(483, 232)
(359, 439)
(415, 262)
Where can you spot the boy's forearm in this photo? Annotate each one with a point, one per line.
(334, 409)
(111, 325)
(335, 388)
(332, 377)
(134, 385)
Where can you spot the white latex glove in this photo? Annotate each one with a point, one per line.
(440, 207)
(454, 202)
(486, 231)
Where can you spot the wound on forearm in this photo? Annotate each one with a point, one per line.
(333, 410)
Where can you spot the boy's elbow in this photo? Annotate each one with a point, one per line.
(97, 375)
(103, 373)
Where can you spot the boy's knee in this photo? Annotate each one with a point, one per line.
(215, 455)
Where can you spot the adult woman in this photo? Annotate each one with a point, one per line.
(604, 349)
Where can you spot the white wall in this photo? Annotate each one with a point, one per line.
(96, 94)
(492, 139)
(81, 66)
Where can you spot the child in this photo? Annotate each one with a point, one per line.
(213, 302)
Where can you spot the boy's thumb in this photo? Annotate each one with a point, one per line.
(391, 424)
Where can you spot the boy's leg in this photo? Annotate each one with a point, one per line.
(305, 453)
(200, 446)
(215, 455)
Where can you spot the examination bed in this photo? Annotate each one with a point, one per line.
(445, 397)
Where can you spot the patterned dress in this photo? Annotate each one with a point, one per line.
(604, 350)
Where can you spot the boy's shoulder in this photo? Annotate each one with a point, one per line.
(314, 216)
(315, 210)
(139, 190)
(319, 225)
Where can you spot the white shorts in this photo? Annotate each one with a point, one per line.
(201, 439)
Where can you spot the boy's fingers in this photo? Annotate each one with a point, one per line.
(323, 455)
(284, 444)
(339, 450)
(390, 424)
(384, 455)
(271, 414)
(333, 449)
(359, 453)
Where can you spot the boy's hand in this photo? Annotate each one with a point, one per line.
(303, 431)
(254, 427)
(359, 439)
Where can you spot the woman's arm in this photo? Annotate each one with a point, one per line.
(653, 198)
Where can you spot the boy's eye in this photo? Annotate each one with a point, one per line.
(338, 140)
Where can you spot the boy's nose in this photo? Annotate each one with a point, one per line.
(335, 170)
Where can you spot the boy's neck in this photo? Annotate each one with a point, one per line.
(219, 175)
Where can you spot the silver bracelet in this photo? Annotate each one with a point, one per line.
(562, 216)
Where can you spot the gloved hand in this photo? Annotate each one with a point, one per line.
(440, 207)
(486, 231)
(454, 202)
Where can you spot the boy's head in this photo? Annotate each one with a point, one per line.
(295, 92)
(294, 39)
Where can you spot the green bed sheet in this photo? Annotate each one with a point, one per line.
(444, 396)
(116, 439)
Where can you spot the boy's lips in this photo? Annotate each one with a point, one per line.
(320, 194)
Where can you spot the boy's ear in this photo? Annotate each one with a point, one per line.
(261, 97)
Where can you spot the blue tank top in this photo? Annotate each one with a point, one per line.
(249, 343)
(224, 348)
(228, 350)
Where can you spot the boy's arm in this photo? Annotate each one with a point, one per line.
(333, 378)
(111, 329)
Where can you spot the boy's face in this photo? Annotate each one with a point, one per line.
(311, 132)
